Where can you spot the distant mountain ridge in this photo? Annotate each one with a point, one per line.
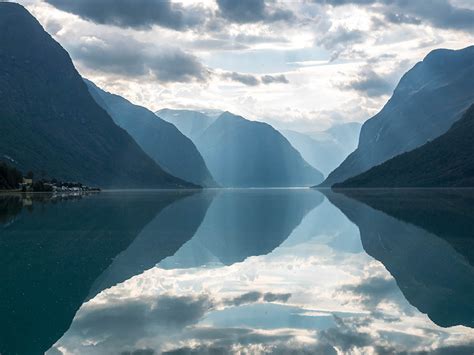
(243, 153)
(191, 123)
(49, 123)
(326, 150)
(447, 161)
(161, 140)
(427, 101)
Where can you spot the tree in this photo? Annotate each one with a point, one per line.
(10, 177)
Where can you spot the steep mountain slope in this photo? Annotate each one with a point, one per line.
(49, 123)
(161, 140)
(427, 101)
(242, 153)
(325, 150)
(448, 161)
(191, 123)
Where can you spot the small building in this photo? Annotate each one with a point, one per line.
(27, 181)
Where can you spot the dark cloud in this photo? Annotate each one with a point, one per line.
(438, 13)
(176, 65)
(121, 325)
(270, 79)
(199, 350)
(346, 2)
(373, 290)
(246, 79)
(399, 18)
(125, 56)
(249, 297)
(345, 339)
(242, 11)
(179, 311)
(251, 11)
(369, 83)
(341, 36)
(129, 320)
(276, 297)
(135, 13)
(252, 80)
(139, 352)
(255, 296)
(345, 336)
(341, 40)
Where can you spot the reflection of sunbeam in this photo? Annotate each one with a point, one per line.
(326, 225)
(240, 224)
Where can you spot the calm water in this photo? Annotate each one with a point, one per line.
(245, 271)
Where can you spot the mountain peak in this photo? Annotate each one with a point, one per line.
(230, 116)
(12, 6)
(244, 153)
(429, 98)
(50, 122)
(438, 54)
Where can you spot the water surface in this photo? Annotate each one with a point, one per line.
(250, 271)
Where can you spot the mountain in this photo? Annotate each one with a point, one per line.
(427, 101)
(161, 140)
(50, 124)
(243, 153)
(345, 133)
(191, 123)
(325, 150)
(424, 239)
(448, 161)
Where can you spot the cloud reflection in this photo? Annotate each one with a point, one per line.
(309, 295)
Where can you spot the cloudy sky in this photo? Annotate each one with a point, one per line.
(302, 64)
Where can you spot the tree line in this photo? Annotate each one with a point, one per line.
(10, 177)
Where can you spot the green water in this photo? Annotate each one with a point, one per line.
(238, 271)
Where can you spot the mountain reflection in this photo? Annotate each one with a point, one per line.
(243, 223)
(425, 239)
(52, 250)
(10, 206)
(160, 238)
(276, 271)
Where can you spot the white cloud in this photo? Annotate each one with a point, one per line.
(296, 40)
